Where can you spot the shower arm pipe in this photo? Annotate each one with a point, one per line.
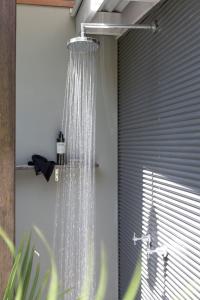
(84, 26)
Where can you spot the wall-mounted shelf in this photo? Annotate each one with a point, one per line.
(24, 167)
(27, 167)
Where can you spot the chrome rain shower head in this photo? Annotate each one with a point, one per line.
(83, 44)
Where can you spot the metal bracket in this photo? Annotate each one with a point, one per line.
(146, 238)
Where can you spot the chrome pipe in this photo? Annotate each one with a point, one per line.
(160, 251)
(84, 26)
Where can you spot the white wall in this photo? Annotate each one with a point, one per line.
(42, 33)
(106, 148)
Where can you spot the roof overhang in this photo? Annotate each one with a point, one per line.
(110, 11)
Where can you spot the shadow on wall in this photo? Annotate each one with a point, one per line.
(153, 266)
(130, 182)
(153, 261)
(169, 217)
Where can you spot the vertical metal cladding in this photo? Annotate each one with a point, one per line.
(159, 152)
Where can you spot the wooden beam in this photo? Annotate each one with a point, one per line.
(7, 131)
(59, 3)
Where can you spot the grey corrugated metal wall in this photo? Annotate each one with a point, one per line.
(159, 152)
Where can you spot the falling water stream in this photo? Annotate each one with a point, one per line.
(74, 213)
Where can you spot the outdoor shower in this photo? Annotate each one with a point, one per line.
(74, 236)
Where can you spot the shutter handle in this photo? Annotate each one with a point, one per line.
(160, 251)
(146, 238)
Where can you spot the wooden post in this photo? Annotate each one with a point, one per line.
(7, 130)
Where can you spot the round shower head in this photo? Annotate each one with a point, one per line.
(83, 44)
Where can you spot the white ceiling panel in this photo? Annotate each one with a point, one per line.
(122, 5)
(115, 5)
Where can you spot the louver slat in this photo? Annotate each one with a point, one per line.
(159, 152)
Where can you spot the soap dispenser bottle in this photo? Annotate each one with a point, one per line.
(60, 149)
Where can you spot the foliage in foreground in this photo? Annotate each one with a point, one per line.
(24, 282)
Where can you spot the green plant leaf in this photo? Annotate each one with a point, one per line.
(62, 294)
(134, 285)
(8, 242)
(10, 288)
(27, 275)
(43, 285)
(35, 283)
(53, 285)
(101, 291)
(11, 248)
(26, 257)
